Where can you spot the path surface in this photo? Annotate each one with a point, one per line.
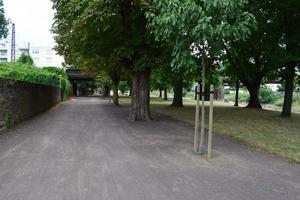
(85, 149)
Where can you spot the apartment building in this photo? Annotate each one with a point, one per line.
(42, 56)
(4, 52)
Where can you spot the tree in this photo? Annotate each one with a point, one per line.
(3, 22)
(253, 59)
(160, 79)
(288, 14)
(114, 34)
(196, 29)
(104, 82)
(25, 59)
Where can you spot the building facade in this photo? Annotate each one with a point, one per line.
(4, 52)
(42, 56)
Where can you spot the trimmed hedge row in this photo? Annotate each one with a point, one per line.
(51, 76)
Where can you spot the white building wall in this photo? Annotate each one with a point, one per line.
(42, 56)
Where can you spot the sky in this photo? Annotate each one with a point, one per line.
(33, 20)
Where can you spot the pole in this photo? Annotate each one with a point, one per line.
(197, 116)
(28, 48)
(13, 43)
(201, 146)
(210, 126)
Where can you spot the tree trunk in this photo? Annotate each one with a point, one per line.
(116, 93)
(178, 85)
(289, 89)
(165, 94)
(130, 88)
(140, 97)
(237, 88)
(74, 85)
(106, 91)
(160, 93)
(115, 77)
(219, 93)
(253, 89)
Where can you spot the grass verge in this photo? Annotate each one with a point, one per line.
(262, 129)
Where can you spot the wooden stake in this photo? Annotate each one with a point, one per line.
(210, 126)
(197, 124)
(201, 146)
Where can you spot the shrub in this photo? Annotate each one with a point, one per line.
(25, 59)
(65, 84)
(23, 72)
(244, 97)
(266, 95)
(296, 98)
(226, 91)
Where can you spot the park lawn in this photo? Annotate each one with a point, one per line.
(262, 129)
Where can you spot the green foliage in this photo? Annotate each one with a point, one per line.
(3, 22)
(161, 78)
(103, 80)
(64, 82)
(267, 96)
(198, 27)
(25, 59)
(107, 36)
(226, 91)
(124, 86)
(258, 54)
(271, 48)
(29, 73)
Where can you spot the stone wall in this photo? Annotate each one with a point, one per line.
(21, 100)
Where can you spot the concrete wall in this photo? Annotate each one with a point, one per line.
(21, 100)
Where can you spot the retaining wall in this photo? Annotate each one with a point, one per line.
(21, 100)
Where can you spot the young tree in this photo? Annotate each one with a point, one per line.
(197, 28)
(25, 59)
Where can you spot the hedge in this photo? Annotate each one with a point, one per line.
(51, 76)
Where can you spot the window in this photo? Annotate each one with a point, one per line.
(35, 51)
(3, 60)
(3, 53)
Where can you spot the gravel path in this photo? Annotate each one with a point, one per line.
(86, 149)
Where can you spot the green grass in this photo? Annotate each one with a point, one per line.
(262, 129)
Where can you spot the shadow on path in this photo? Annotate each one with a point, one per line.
(86, 149)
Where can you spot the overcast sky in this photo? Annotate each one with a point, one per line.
(33, 19)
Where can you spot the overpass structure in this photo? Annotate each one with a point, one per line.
(75, 76)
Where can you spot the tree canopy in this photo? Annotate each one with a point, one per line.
(176, 40)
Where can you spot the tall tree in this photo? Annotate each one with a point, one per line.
(112, 32)
(251, 60)
(289, 15)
